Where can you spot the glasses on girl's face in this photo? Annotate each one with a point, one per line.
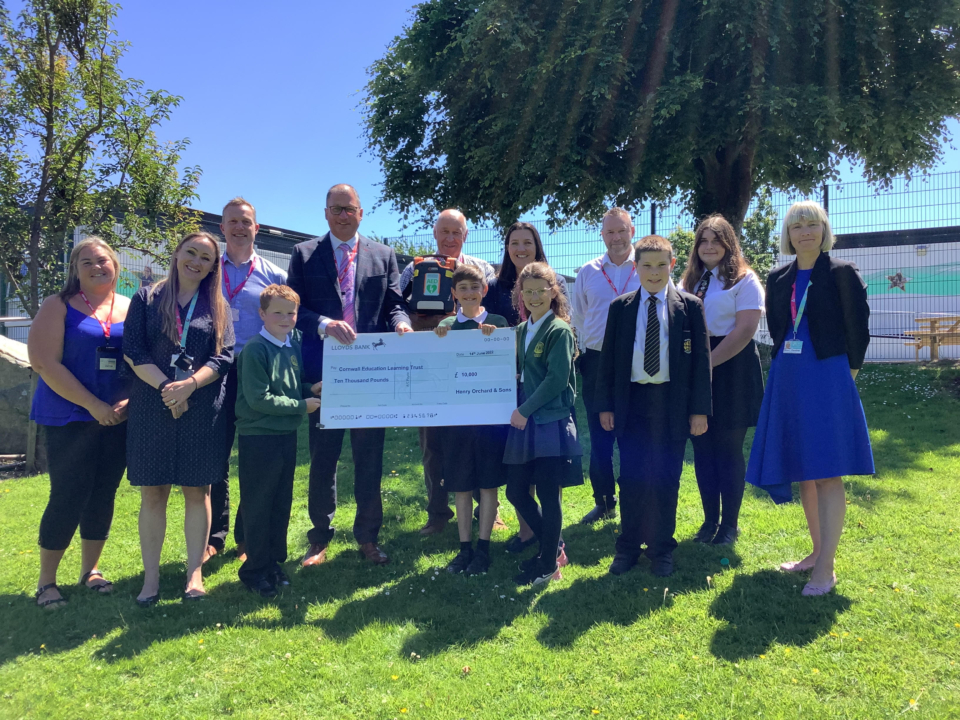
(534, 293)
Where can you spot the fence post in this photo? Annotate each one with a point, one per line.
(826, 198)
(653, 218)
(3, 302)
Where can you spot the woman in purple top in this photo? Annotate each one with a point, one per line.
(81, 400)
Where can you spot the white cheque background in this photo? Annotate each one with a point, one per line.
(420, 380)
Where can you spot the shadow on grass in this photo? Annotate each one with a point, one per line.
(766, 607)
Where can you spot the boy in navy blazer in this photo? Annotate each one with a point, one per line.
(654, 391)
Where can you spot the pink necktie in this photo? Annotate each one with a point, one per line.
(347, 272)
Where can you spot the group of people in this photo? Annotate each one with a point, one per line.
(158, 386)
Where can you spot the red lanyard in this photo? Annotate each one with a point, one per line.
(342, 274)
(619, 292)
(93, 313)
(231, 294)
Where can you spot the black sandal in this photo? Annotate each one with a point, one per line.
(49, 603)
(149, 601)
(104, 588)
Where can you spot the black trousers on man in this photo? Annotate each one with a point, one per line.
(601, 441)
(267, 466)
(651, 460)
(220, 492)
(325, 448)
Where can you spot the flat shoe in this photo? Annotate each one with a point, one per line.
(795, 566)
(811, 590)
(147, 602)
(193, 597)
(516, 545)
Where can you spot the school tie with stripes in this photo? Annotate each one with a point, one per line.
(651, 343)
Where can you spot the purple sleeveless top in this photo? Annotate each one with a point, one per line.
(82, 335)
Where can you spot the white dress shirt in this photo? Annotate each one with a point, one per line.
(271, 338)
(593, 293)
(337, 242)
(532, 328)
(720, 305)
(461, 318)
(637, 373)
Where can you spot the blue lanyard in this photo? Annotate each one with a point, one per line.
(183, 329)
(798, 312)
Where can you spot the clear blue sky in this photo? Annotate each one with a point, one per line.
(270, 97)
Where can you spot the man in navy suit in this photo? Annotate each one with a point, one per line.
(347, 284)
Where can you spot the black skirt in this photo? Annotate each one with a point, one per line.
(737, 387)
(474, 460)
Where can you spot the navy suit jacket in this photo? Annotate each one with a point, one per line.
(688, 351)
(313, 275)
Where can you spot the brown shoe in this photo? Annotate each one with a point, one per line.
(316, 555)
(242, 552)
(208, 553)
(433, 527)
(499, 524)
(372, 552)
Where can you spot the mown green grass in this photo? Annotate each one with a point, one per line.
(349, 640)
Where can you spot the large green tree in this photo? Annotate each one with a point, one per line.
(78, 147)
(499, 107)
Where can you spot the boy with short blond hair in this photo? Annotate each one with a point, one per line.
(272, 401)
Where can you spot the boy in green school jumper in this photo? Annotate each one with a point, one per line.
(272, 400)
(473, 454)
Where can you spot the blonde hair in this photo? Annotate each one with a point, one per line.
(278, 291)
(72, 286)
(803, 210)
(239, 201)
(541, 271)
(210, 286)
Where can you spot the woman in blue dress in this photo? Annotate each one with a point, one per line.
(812, 429)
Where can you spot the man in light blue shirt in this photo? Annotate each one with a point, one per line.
(245, 275)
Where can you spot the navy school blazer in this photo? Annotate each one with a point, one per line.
(689, 352)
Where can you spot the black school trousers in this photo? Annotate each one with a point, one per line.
(267, 465)
(601, 441)
(651, 460)
(220, 492)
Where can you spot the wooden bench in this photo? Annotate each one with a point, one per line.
(933, 333)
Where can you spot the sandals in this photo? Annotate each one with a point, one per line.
(52, 604)
(104, 588)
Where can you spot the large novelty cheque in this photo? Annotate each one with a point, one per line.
(419, 379)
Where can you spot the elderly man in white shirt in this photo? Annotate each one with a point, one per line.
(598, 283)
(450, 232)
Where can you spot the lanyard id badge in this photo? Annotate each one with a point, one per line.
(108, 357)
(794, 346)
(181, 362)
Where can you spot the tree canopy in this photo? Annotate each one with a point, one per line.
(498, 107)
(78, 147)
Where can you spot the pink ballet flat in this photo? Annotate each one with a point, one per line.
(795, 566)
(811, 590)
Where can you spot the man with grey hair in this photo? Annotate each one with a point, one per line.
(450, 233)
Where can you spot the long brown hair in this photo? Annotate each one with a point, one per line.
(209, 286)
(72, 286)
(508, 271)
(541, 271)
(732, 268)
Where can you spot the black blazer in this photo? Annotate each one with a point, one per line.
(837, 309)
(313, 275)
(690, 371)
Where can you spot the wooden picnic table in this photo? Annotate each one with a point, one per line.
(933, 332)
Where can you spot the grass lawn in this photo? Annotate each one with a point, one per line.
(349, 640)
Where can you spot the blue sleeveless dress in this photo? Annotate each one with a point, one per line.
(812, 424)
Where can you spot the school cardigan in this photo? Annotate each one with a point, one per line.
(549, 380)
(270, 388)
(837, 309)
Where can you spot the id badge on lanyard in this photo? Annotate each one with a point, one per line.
(107, 356)
(180, 361)
(794, 346)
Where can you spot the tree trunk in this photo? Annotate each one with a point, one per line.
(725, 184)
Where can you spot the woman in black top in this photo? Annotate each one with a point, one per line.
(179, 342)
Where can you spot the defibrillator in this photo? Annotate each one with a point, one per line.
(432, 282)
